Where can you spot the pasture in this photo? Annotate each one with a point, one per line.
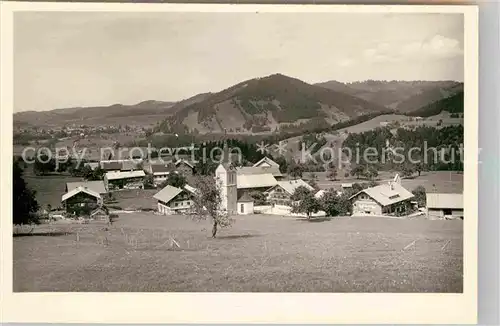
(258, 253)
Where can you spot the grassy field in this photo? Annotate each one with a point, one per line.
(258, 253)
(49, 188)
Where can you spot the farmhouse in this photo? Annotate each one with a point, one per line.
(172, 200)
(266, 162)
(160, 172)
(184, 167)
(385, 199)
(445, 206)
(124, 180)
(96, 186)
(81, 201)
(121, 165)
(280, 194)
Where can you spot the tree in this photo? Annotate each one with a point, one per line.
(407, 171)
(332, 173)
(149, 182)
(87, 173)
(295, 171)
(371, 172)
(175, 180)
(358, 170)
(259, 198)
(299, 193)
(283, 164)
(207, 204)
(420, 197)
(44, 165)
(24, 202)
(308, 204)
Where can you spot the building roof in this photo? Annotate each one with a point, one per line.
(130, 165)
(268, 161)
(445, 201)
(96, 186)
(245, 198)
(160, 169)
(291, 185)
(252, 170)
(387, 194)
(167, 193)
(124, 175)
(111, 165)
(346, 185)
(247, 181)
(185, 162)
(190, 189)
(320, 193)
(78, 190)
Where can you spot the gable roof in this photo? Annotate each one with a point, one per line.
(124, 175)
(252, 170)
(245, 198)
(268, 161)
(78, 190)
(291, 185)
(185, 162)
(247, 181)
(160, 168)
(384, 195)
(449, 201)
(167, 193)
(96, 186)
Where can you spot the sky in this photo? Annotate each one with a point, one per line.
(76, 59)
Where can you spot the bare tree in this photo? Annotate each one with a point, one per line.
(207, 204)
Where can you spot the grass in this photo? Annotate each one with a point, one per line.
(258, 253)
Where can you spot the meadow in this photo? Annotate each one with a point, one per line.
(144, 252)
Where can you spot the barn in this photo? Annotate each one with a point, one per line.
(445, 206)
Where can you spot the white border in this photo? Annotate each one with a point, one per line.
(129, 308)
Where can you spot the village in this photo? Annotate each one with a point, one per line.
(257, 189)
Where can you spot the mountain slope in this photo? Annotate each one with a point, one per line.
(394, 94)
(263, 104)
(149, 111)
(452, 104)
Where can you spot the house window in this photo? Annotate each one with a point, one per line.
(242, 208)
(447, 211)
(176, 204)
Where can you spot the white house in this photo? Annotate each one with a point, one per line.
(172, 200)
(445, 206)
(385, 199)
(245, 205)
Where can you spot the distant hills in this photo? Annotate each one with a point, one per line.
(271, 103)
